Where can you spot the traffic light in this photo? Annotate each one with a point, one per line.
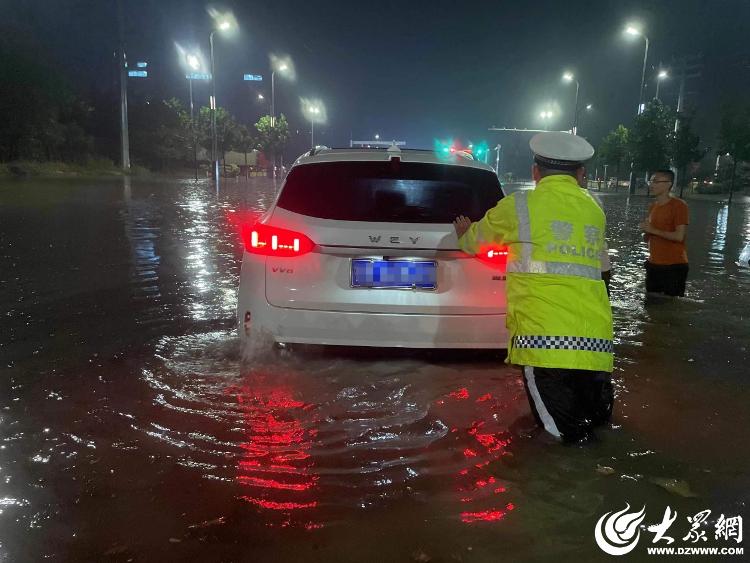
(481, 150)
(444, 148)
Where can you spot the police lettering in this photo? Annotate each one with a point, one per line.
(573, 250)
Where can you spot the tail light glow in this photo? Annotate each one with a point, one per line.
(275, 241)
(496, 256)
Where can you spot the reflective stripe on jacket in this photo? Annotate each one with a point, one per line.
(558, 310)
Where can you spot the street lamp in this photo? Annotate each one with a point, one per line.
(377, 137)
(545, 115)
(194, 63)
(635, 31)
(659, 77)
(314, 111)
(223, 24)
(568, 77)
(587, 107)
(281, 67)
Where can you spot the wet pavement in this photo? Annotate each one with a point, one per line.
(133, 428)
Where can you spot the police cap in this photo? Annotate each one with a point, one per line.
(560, 150)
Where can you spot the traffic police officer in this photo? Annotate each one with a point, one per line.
(559, 318)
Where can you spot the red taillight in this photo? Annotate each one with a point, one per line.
(273, 241)
(494, 255)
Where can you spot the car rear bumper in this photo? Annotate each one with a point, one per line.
(384, 330)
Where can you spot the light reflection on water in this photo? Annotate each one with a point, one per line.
(330, 433)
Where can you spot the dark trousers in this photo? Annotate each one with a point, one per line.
(569, 403)
(668, 279)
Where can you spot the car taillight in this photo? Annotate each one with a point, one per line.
(496, 256)
(273, 241)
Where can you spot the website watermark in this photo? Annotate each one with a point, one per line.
(619, 533)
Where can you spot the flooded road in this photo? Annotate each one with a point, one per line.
(133, 428)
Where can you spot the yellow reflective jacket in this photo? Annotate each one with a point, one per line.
(558, 310)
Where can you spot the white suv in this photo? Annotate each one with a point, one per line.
(359, 250)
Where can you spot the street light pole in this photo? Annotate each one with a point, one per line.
(659, 77)
(313, 111)
(643, 76)
(122, 62)
(273, 99)
(569, 77)
(575, 113)
(214, 144)
(192, 130)
(634, 30)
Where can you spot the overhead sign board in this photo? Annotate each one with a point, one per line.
(141, 65)
(254, 77)
(138, 73)
(198, 76)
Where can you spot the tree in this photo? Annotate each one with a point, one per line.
(42, 118)
(685, 148)
(734, 137)
(614, 148)
(160, 133)
(226, 130)
(272, 139)
(245, 140)
(651, 137)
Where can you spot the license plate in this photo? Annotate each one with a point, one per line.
(404, 274)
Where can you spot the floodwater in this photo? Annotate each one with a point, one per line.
(133, 428)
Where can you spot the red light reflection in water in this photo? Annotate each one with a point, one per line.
(276, 465)
(475, 483)
(486, 515)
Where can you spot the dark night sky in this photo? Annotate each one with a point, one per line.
(414, 70)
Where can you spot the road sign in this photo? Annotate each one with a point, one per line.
(138, 74)
(141, 65)
(198, 76)
(254, 77)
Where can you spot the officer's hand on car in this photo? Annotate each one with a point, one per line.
(461, 224)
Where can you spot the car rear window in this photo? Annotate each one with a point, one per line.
(390, 191)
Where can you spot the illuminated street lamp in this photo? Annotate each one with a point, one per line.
(223, 23)
(635, 31)
(659, 77)
(313, 111)
(282, 67)
(546, 115)
(568, 77)
(194, 63)
(587, 107)
(377, 137)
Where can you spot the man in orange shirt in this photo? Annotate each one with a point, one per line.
(665, 229)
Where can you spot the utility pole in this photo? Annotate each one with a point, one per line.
(214, 143)
(123, 66)
(192, 130)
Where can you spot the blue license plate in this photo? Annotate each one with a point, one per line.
(407, 274)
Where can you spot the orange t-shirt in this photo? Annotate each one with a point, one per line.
(667, 217)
